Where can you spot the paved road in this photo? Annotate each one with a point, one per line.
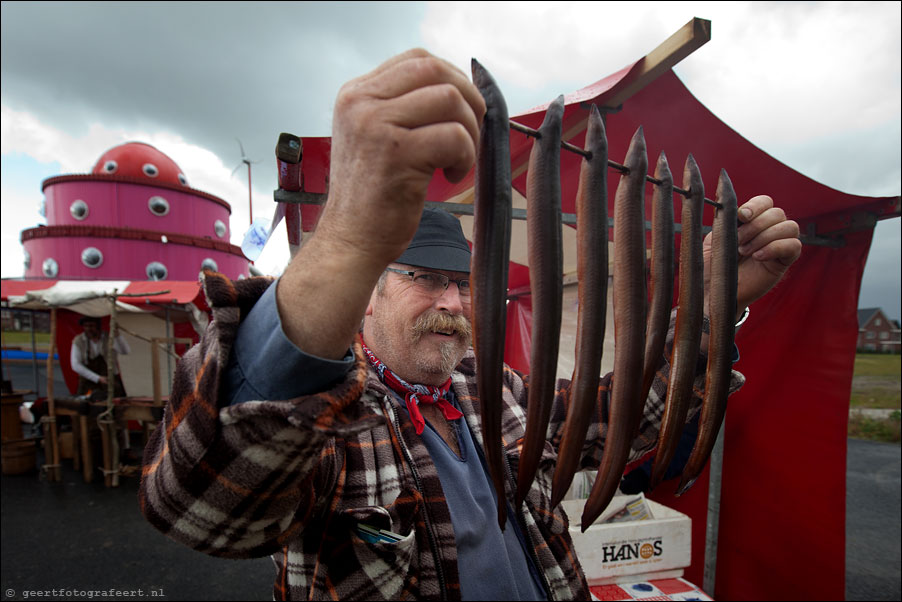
(80, 536)
(77, 537)
(873, 531)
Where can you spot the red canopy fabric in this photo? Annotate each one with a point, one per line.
(17, 288)
(782, 515)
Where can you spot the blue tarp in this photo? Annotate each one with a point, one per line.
(16, 354)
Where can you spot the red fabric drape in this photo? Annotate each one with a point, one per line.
(517, 333)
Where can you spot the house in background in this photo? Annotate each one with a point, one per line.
(878, 333)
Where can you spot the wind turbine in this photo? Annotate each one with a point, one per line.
(247, 162)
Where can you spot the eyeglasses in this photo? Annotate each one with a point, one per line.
(433, 283)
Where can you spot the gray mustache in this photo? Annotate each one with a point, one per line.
(442, 322)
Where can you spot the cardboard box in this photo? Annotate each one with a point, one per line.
(658, 547)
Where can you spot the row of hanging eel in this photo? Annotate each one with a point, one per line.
(688, 330)
(722, 315)
(639, 334)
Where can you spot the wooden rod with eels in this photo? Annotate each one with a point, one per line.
(488, 271)
(661, 281)
(592, 273)
(546, 277)
(630, 303)
(688, 330)
(722, 315)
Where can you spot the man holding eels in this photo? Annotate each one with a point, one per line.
(352, 454)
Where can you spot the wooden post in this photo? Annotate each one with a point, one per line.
(77, 458)
(294, 228)
(155, 370)
(53, 467)
(712, 528)
(110, 393)
(155, 345)
(103, 421)
(289, 151)
(87, 454)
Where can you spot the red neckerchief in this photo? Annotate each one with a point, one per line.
(414, 394)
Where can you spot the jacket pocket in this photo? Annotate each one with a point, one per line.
(383, 542)
(385, 568)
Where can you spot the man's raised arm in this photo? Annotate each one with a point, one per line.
(391, 130)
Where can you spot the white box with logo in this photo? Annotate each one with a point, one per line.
(655, 548)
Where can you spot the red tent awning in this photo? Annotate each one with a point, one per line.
(176, 291)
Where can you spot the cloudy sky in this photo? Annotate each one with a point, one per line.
(814, 84)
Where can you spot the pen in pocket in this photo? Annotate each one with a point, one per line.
(373, 535)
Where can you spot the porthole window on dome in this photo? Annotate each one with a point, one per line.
(27, 260)
(92, 257)
(158, 205)
(110, 166)
(156, 271)
(209, 264)
(220, 228)
(79, 209)
(150, 170)
(183, 180)
(50, 267)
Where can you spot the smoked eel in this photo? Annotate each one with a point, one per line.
(488, 270)
(630, 304)
(546, 273)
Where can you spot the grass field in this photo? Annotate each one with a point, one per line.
(23, 340)
(878, 364)
(877, 383)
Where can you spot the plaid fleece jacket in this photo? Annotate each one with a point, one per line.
(291, 478)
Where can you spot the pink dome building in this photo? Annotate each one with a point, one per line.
(134, 217)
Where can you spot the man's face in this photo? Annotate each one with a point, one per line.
(92, 330)
(419, 336)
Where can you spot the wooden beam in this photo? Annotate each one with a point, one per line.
(674, 49)
(671, 51)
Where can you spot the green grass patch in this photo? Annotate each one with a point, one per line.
(877, 381)
(886, 430)
(875, 392)
(23, 340)
(878, 364)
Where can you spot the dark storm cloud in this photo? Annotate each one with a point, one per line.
(207, 71)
